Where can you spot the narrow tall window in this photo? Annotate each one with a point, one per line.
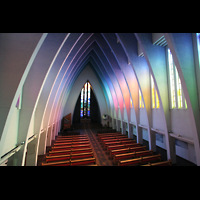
(198, 45)
(172, 81)
(177, 96)
(82, 91)
(88, 110)
(179, 91)
(85, 100)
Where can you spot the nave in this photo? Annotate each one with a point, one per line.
(107, 148)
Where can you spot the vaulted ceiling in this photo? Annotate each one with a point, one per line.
(41, 69)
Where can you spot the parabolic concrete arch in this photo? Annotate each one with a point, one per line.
(42, 74)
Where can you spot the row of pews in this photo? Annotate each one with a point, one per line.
(73, 150)
(126, 152)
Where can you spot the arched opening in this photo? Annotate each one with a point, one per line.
(85, 100)
(87, 108)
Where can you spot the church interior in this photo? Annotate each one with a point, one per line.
(100, 99)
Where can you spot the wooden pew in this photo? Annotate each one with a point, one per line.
(110, 143)
(71, 143)
(61, 148)
(140, 161)
(86, 161)
(140, 148)
(121, 146)
(105, 134)
(62, 152)
(110, 137)
(82, 155)
(126, 150)
(62, 139)
(75, 140)
(128, 141)
(152, 158)
(143, 153)
(130, 155)
(58, 158)
(162, 163)
(79, 146)
(93, 165)
(69, 156)
(62, 163)
(68, 147)
(132, 145)
(83, 162)
(71, 137)
(117, 139)
(65, 152)
(109, 148)
(118, 143)
(113, 137)
(118, 151)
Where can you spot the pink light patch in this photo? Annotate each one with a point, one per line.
(17, 105)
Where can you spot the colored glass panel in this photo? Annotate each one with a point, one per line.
(82, 103)
(85, 100)
(198, 45)
(88, 100)
(172, 81)
(179, 90)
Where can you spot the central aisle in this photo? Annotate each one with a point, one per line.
(102, 158)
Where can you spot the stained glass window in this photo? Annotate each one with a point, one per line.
(179, 91)
(177, 96)
(85, 100)
(198, 45)
(88, 111)
(172, 81)
(82, 91)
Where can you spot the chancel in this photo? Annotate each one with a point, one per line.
(99, 99)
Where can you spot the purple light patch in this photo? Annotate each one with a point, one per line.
(17, 105)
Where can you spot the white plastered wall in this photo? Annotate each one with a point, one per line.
(87, 74)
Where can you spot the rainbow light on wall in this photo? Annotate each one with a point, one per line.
(141, 103)
(131, 103)
(153, 93)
